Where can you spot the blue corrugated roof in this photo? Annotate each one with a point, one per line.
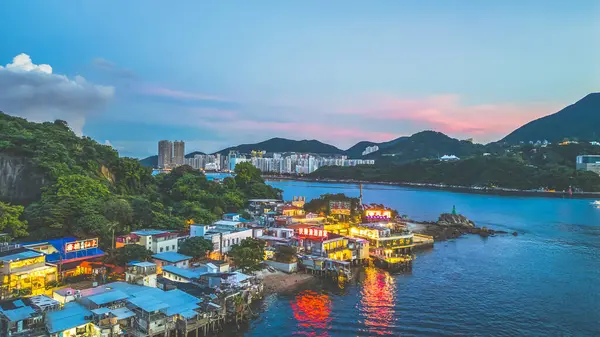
(18, 314)
(187, 273)
(72, 315)
(149, 232)
(148, 303)
(108, 297)
(61, 255)
(21, 256)
(171, 257)
(122, 313)
(101, 311)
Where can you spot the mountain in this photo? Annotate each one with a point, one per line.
(357, 150)
(580, 120)
(151, 161)
(286, 145)
(192, 154)
(428, 145)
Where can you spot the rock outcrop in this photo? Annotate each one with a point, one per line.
(19, 181)
(452, 226)
(447, 219)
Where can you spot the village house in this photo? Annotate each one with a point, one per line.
(157, 241)
(170, 259)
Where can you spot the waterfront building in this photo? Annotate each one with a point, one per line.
(588, 163)
(120, 308)
(178, 153)
(386, 239)
(165, 154)
(316, 241)
(170, 259)
(24, 272)
(72, 256)
(157, 241)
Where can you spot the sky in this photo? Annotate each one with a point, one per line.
(222, 73)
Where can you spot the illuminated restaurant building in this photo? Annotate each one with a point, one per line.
(385, 239)
(72, 257)
(24, 272)
(318, 242)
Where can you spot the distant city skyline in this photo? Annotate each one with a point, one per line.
(219, 74)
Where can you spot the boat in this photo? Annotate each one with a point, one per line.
(596, 203)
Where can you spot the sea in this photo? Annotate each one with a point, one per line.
(543, 282)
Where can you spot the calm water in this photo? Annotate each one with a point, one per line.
(542, 283)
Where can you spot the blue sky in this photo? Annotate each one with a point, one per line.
(221, 73)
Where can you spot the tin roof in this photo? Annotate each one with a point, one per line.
(187, 273)
(71, 316)
(171, 257)
(19, 254)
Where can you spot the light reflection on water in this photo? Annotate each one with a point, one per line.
(312, 311)
(377, 301)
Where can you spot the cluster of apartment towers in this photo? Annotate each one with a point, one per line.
(170, 154)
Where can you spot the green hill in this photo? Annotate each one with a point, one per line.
(55, 184)
(286, 145)
(579, 121)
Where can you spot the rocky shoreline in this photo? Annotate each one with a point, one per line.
(452, 226)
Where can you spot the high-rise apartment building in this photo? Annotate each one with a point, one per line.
(178, 153)
(165, 154)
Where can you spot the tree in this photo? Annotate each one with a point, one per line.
(10, 220)
(196, 247)
(246, 173)
(122, 256)
(119, 211)
(285, 254)
(248, 254)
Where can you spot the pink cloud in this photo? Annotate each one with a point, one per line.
(183, 95)
(344, 137)
(447, 114)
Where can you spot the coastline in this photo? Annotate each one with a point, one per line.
(441, 187)
(279, 282)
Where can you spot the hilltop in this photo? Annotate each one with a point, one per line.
(580, 121)
(286, 145)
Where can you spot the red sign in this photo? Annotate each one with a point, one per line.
(312, 232)
(81, 245)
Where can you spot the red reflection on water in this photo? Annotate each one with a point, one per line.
(312, 310)
(377, 302)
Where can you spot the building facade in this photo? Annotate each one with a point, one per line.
(157, 241)
(588, 163)
(178, 153)
(165, 154)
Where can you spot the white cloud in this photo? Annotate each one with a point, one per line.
(107, 143)
(33, 91)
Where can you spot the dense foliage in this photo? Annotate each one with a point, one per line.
(197, 247)
(321, 205)
(129, 253)
(285, 254)
(89, 190)
(10, 221)
(248, 254)
(518, 167)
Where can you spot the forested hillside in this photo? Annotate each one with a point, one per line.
(83, 188)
